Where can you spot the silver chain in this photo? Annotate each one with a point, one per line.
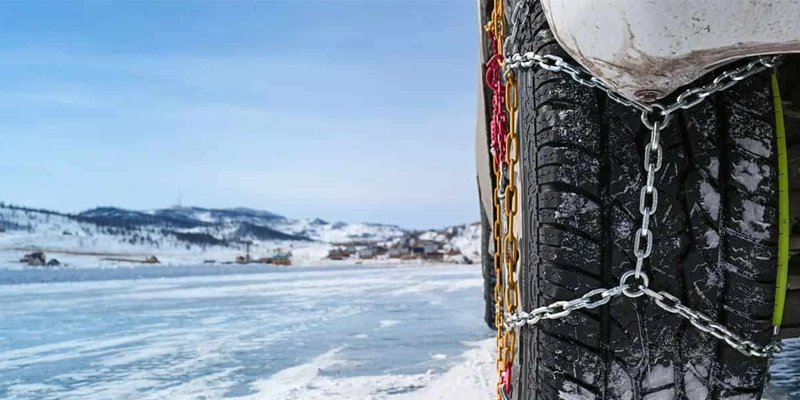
(655, 117)
(664, 300)
(519, 17)
(685, 100)
(561, 309)
(705, 324)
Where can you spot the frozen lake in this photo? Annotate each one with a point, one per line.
(276, 334)
(272, 333)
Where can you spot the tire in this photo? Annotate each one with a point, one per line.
(715, 239)
(487, 265)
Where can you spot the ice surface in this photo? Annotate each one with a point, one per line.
(385, 323)
(277, 333)
(271, 333)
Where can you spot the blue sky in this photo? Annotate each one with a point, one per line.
(346, 110)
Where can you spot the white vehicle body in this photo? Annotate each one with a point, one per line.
(645, 49)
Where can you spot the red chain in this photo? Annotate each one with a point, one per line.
(505, 379)
(499, 124)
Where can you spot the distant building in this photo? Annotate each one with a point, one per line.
(281, 259)
(339, 254)
(453, 252)
(276, 259)
(381, 250)
(367, 253)
(435, 256)
(398, 252)
(34, 259)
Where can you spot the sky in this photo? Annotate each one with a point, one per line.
(344, 110)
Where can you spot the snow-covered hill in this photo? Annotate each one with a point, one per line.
(195, 233)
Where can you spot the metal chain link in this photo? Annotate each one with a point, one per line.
(705, 324)
(504, 157)
(518, 17)
(510, 243)
(664, 300)
(655, 117)
(498, 126)
(561, 309)
(685, 100)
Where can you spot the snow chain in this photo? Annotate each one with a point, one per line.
(633, 283)
(503, 145)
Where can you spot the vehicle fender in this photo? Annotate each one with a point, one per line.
(646, 49)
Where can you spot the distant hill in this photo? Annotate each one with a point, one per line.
(114, 229)
(192, 225)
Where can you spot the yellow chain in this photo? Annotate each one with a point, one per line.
(510, 245)
(505, 290)
(498, 286)
(497, 229)
(495, 25)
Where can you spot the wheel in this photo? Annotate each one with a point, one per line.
(715, 238)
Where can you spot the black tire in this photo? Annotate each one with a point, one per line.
(487, 264)
(715, 239)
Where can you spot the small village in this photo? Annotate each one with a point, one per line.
(277, 258)
(433, 246)
(453, 245)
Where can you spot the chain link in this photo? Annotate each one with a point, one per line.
(519, 17)
(664, 300)
(510, 243)
(555, 63)
(561, 309)
(505, 154)
(655, 117)
(685, 100)
(706, 324)
(498, 126)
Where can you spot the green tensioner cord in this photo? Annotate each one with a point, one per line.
(783, 208)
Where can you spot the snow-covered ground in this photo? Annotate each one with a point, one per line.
(271, 333)
(193, 235)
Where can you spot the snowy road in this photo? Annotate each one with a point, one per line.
(274, 333)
